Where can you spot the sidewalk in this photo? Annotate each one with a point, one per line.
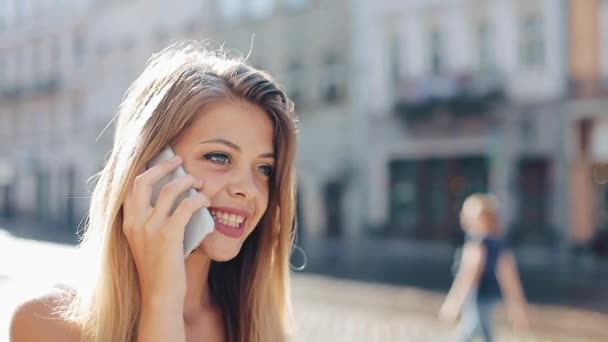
(337, 310)
(429, 265)
(425, 265)
(325, 308)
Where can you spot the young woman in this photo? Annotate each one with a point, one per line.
(233, 131)
(486, 268)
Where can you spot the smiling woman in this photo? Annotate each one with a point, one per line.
(233, 131)
(235, 159)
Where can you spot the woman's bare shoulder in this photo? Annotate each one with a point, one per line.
(38, 318)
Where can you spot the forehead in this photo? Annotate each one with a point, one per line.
(239, 121)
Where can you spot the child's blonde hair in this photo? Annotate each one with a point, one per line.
(480, 206)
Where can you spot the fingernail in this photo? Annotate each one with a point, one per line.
(199, 182)
(175, 159)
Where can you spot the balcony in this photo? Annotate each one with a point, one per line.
(12, 93)
(40, 87)
(447, 99)
(45, 86)
(587, 88)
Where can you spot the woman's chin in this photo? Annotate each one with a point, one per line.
(218, 255)
(222, 258)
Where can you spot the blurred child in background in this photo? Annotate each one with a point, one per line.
(487, 270)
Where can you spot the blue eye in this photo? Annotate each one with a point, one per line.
(218, 158)
(267, 170)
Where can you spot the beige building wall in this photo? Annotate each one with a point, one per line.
(584, 51)
(585, 54)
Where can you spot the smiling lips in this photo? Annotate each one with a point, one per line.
(228, 222)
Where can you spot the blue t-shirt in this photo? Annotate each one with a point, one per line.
(488, 287)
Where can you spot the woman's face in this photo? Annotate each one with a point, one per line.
(229, 146)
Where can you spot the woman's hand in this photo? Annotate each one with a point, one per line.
(518, 314)
(156, 236)
(449, 312)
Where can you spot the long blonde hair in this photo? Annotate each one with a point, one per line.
(252, 290)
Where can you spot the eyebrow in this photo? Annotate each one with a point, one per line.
(234, 146)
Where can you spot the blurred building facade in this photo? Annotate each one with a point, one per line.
(405, 106)
(43, 50)
(64, 67)
(587, 125)
(472, 101)
(105, 46)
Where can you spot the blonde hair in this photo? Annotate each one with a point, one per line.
(481, 206)
(252, 289)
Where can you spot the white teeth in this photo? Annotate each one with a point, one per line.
(227, 218)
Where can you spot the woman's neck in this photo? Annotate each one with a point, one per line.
(198, 294)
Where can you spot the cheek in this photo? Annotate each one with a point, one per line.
(212, 183)
(264, 194)
(261, 204)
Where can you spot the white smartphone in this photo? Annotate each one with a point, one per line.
(201, 223)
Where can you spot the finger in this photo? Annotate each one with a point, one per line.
(139, 171)
(172, 190)
(184, 211)
(142, 185)
(135, 210)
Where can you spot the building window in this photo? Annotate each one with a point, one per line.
(55, 60)
(3, 13)
(18, 71)
(7, 126)
(18, 12)
(78, 49)
(2, 68)
(9, 68)
(436, 47)
(486, 57)
(333, 78)
(37, 74)
(527, 127)
(297, 4)
(395, 59)
(533, 189)
(26, 65)
(531, 41)
(296, 84)
(261, 9)
(161, 38)
(77, 113)
(4, 127)
(230, 10)
(192, 26)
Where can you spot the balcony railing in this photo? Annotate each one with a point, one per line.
(459, 96)
(587, 88)
(40, 87)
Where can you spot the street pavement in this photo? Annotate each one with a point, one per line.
(329, 309)
(325, 308)
(547, 278)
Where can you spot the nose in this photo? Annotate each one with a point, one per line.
(243, 185)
